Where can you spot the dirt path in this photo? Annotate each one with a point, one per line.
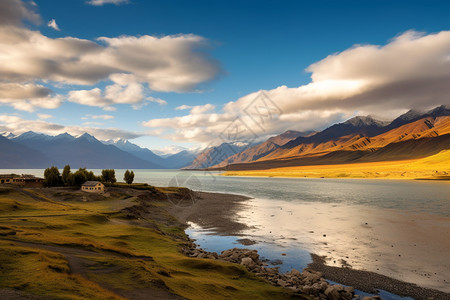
(31, 195)
(79, 263)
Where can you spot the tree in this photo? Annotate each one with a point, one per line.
(128, 177)
(109, 176)
(52, 176)
(79, 177)
(71, 179)
(65, 175)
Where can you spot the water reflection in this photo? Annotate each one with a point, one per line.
(408, 246)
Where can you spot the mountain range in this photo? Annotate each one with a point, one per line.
(360, 139)
(36, 150)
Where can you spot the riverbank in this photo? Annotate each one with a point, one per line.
(436, 167)
(355, 242)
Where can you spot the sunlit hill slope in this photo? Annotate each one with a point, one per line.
(364, 140)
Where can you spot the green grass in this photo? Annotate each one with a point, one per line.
(121, 251)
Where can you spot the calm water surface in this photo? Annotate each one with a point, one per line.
(410, 195)
(417, 196)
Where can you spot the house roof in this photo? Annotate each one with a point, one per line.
(91, 183)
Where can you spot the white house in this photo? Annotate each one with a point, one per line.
(93, 187)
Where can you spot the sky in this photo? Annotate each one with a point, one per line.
(173, 74)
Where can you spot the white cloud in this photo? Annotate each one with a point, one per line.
(157, 100)
(103, 2)
(124, 90)
(172, 149)
(97, 117)
(183, 107)
(411, 71)
(17, 125)
(170, 63)
(52, 24)
(196, 109)
(44, 116)
(28, 96)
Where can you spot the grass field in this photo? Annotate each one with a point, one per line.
(433, 167)
(94, 247)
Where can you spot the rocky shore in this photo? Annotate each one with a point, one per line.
(307, 282)
(217, 213)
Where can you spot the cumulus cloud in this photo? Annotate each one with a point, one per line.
(28, 96)
(124, 90)
(170, 63)
(52, 24)
(103, 2)
(134, 66)
(411, 71)
(18, 125)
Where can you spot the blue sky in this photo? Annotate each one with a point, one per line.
(254, 45)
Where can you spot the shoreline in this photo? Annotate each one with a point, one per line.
(267, 174)
(370, 282)
(229, 225)
(331, 177)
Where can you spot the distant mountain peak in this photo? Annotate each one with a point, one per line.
(288, 132)
(361, 121)
(120, 140)
(439, 111)
(32, 135)
(413, 115)
(64, 135)
(410, 115)
(8, 134)
(86, 136)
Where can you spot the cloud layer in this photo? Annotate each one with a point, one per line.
(135, 66)
(411, 71)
